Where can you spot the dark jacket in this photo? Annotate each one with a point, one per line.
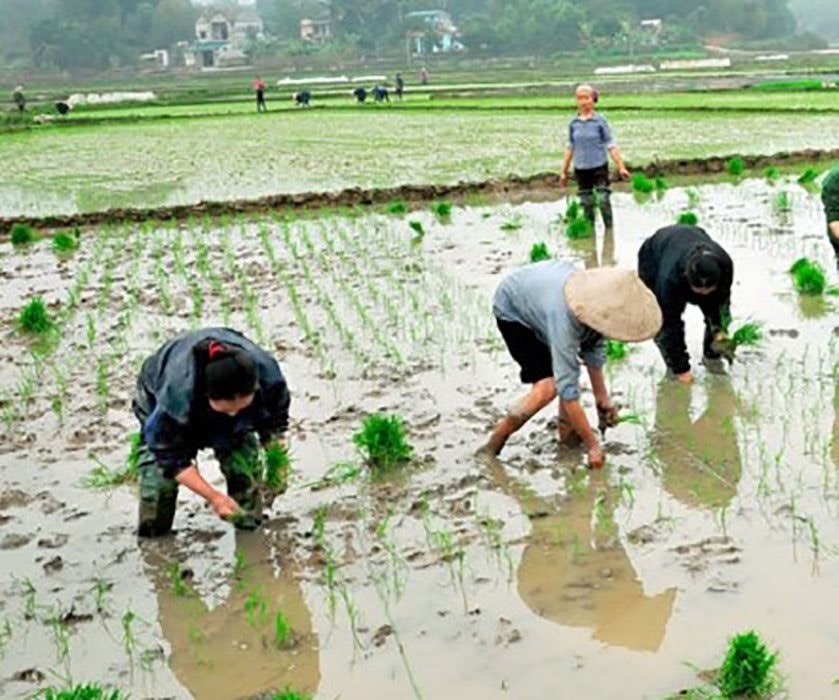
(662, 266)
(175, 416)
(830, 195)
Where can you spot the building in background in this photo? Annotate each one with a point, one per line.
(432, 31)
(222, 40)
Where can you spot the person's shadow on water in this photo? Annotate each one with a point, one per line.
(574, 569)
(234, 650)
(699, 459)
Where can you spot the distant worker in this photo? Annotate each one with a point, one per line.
(360, 95)
(63, 108)
(381, 94)
(259, 89)
(302, 98)
(683, 265)
(400, 86)
(555, 318)
(208, 388)
(590, 143)
(19, 98)
(423, 76)
(830, 199)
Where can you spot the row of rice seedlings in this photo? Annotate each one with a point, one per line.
(808, 277)
(539, 252)
(577, 226)
(688, 218)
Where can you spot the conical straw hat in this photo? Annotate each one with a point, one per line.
(615, 303)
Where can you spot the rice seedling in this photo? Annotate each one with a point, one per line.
(579, 228)
(101, 589)
(277, 467)
(747, 334)
(809, 277)
(735, 166)
(573, 210)
(771, 173)
(513, 224)
(34, 319)
(418, 229)
(103, 477)
(382, 442)
(22, 234)
(178, 580)
(539, 252)
(288, 693)
(660, 184)
(319, 525)
(688, 218)
(642, 184)
(61, 636)
(397, 206)
(442, 210)
(782, 203)
(749, 668)
(693, 198)
(129, 641)
(282, 630)
(616, 350)
(808, 176)
(256, 608)
(87, 691)
(64, 243)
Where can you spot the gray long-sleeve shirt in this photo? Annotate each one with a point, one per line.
(534, 296)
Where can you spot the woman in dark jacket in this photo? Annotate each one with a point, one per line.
(682, 265)
(209, 388)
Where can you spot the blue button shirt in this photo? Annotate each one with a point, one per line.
(534, 296)
(591, 140)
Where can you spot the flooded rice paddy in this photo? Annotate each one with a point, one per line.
(57, 170)
(525, 577)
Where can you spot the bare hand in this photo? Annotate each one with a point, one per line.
(607, 414)
(685, 377)
(223, 506)
(624, 173)
(596, 457)
(563, 180)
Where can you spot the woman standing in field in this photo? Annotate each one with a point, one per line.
(830, 199)
(590, 144)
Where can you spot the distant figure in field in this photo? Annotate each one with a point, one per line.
(590, 144)
(380, 94)
(63, 108)
(302, 98)
(423, 76)
(259, 89)
(360, 95)
(400, 86)
(830, 200)
(19, 98)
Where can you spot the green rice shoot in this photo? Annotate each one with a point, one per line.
(103, 477)
(88, 691)
(282, 629)
(513, 224)
(809, 277)
(573, 210)
(22, 234)
(748, 334)
(289, 694)
(735, 166)
(808, 176)
(642, 184)
(539, 252)
(783, 202)
(34, 318)
(64, 242)
(749, 668)
(688, 218)
(397, 206)
(660, 183)
(277, 466)
(417, 228)
(382, 442)
(616, 350)
(772, 173)
(442, 210)
(579, 228)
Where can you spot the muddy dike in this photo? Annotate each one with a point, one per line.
(511, 187)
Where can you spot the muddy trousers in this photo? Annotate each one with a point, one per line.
(593, 188)
(159, 493)
(708, 351)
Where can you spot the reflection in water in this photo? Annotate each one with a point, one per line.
(700, 459)
(586, 248)
(576, 572)
(834, 443)
(231, 651)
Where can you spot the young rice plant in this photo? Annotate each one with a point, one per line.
(382, 442)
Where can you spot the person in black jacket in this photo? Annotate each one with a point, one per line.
(209, 388)
(682, 265)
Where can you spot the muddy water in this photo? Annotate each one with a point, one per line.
(521, 577)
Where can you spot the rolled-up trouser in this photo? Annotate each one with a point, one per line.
(159, 493)
(593, 181)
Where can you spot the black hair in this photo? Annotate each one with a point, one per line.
(229, 372)
(703, 268)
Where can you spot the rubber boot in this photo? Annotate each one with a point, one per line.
(606, 212)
